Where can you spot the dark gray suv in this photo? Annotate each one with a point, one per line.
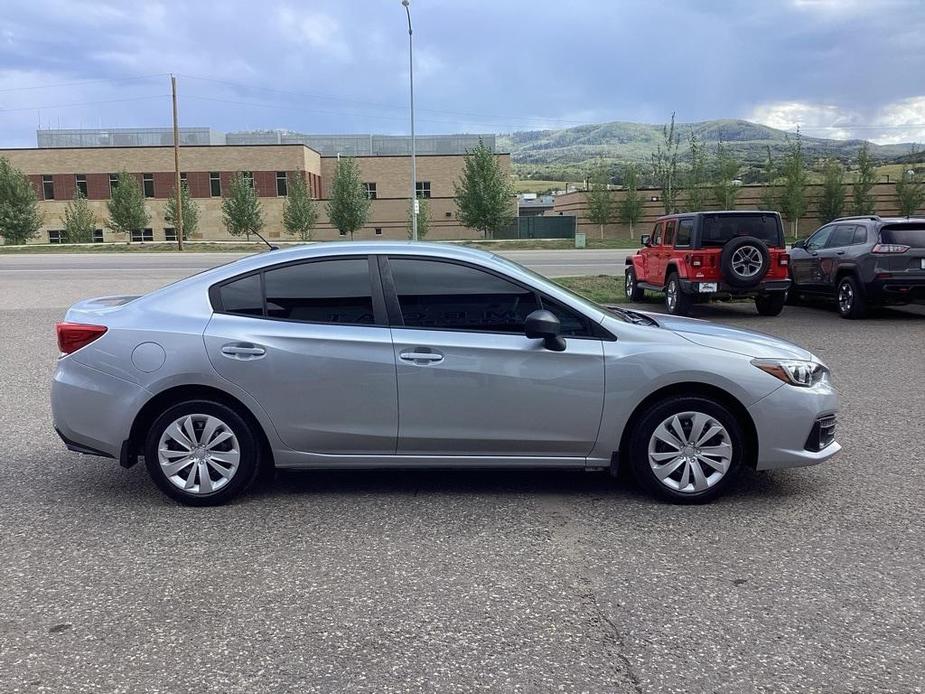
(861, 262)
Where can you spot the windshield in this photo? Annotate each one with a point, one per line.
(719, 229)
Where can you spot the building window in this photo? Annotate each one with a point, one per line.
(215, 184)
(142, 235)
(183, 177)
(55, 236)
(148, 183)
(82, 184)
(97, 236)
(48, 187)
(282, 184)
(342, 232)
(370, 191)
(113, 182)
(170, 234)
(423, 189)
(378, 231)
(248, 178)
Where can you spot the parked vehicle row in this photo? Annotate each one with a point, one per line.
(411, 355)
(859, 262)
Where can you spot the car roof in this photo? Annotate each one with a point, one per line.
(675, 215)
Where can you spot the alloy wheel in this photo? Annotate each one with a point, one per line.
(629, 284)
(199, 453)
(747, 261)
(845, 297)
(690, 452)
(671, 296)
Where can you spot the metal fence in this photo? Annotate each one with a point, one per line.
(127, 137)
(533, 227)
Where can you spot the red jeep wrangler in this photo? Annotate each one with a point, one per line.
(697, 256)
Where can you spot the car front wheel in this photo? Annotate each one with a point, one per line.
(686, 449)
(676, 301)
(633, 291)
(201, 453)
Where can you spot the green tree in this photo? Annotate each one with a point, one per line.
(348, 208)
(631, 205)
(862, 200)
(484, 192)
(79, 220)
(665, 166)
(910, 192)
(423, 217)
(127, 211)
(20, 218)
(769, 196)
(188, 207)
(598, 199)
(300, 213)
(793, 191)
(242, 213)
(697, 177)
(726, 184)
(832, 200)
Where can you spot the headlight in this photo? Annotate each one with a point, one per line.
(796, 372)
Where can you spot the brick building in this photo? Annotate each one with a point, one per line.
(57, 172)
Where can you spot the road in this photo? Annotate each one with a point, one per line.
(524, 581)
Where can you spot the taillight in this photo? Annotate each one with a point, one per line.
(73, 336)
(783, 259)
(887, 248)
(695, 260)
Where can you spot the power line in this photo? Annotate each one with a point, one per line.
(83, 103)
(70, 84)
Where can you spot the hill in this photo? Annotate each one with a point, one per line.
(567, 153)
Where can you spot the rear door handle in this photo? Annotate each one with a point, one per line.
(241, 351)
(421, 357)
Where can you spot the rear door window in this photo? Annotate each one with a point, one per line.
(449, 296)
(669, 233)
(685, 229)
(324, 291)
(906, 234)
(842, 236)
(719, 229)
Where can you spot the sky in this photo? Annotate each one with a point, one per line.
(833, 68)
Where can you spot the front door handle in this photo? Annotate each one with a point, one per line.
(242, 351)
(422, 357)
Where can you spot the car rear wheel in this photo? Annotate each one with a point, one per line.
(633, 291)
(770, 304)
(201, 453)
(849, 299)
(686, 449)
(677, 302)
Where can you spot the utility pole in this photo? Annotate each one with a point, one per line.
(414, 173)
(176, 164)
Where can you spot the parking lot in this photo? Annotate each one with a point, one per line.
(519, 581)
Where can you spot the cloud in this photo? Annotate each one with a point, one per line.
(318, 30)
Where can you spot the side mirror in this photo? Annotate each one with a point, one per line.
(799, 244)
(543, 325)
(645, 240)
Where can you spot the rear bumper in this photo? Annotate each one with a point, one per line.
(896, 290)
(92, 410)
(766, 287)
(792, 423)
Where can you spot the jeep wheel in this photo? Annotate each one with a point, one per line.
(633, 291)
(677, 301)
(770, 304)
(850, 301)
(745, 261)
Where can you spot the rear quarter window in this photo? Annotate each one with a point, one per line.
(906, 234)
(243, 296)
(719, 229)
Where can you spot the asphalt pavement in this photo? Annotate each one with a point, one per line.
(522, 581)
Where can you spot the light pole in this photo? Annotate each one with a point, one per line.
(414, 173)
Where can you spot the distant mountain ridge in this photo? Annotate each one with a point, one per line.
(575, 148)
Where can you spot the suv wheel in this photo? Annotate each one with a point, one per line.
(633, 291)
(687, 449)
(849, 299)
(770, 304)
(676, 301)
(201, 453)
(745, 261)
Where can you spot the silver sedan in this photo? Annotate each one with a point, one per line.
(423, 355)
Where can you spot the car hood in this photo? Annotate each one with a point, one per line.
(747, 342)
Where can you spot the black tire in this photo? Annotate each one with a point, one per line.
(771, 304)
(248, 450)
(653, 417)
(793, 293)
(751, 274)
(633, 291)
(677, 302)
(849, 299)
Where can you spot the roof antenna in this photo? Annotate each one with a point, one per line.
(259, 236)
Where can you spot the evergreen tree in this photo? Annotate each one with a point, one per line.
(423, 218)
(631, 206)
(348, 208)
(598, 199)
(697, 177)
(79, 220)
(300, 213)
(484, 192)
(862, 200)
(127, 211)
(188, 207)
(20, 219)
(725, 178)
(665, 166)
(242, 213)
(793, 190)
(832, 200)
(769, 196)
(910, 192)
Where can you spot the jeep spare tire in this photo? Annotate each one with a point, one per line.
(745, 261)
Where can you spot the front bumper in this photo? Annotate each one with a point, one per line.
(792, 422)
(93, 411)
(723, 289)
